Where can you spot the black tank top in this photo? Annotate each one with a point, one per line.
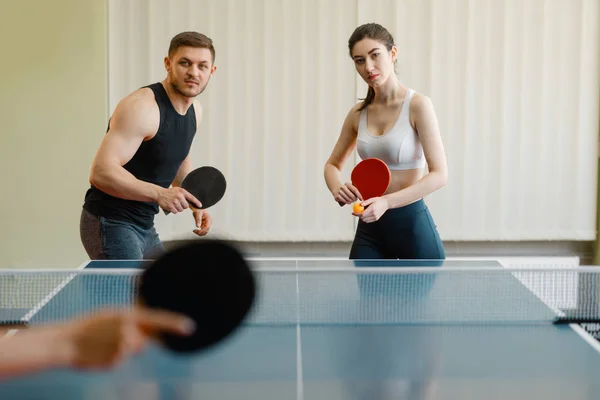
(156, 161)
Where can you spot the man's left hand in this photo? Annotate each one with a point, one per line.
(203, 221)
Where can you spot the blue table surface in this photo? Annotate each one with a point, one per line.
(341, 361)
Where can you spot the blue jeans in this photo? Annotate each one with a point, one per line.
(108, 239)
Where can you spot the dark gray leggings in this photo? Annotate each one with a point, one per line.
(401, 233)
(107, 239)
(405, 233)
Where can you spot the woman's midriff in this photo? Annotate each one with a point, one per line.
(403, 179)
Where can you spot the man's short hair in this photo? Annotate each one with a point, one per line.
(191, 39)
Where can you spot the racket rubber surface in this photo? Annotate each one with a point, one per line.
(207, 280)
(207, 184)
(371, 177)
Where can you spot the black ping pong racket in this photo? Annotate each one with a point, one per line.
(207, 280)
(207, 184)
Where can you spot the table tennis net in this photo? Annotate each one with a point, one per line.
(336, 296)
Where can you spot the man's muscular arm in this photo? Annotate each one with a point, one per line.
(135, 119)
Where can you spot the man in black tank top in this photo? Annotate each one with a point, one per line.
(144, 156)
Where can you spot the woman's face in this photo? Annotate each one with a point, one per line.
(373, 62)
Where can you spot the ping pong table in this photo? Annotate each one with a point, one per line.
(341, 329)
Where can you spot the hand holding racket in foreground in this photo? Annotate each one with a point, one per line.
(94, 342)
(189, 300)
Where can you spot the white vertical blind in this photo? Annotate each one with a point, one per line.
(515, 85)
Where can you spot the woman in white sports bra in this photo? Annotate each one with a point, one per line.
(399, 126)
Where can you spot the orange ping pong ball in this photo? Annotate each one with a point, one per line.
(358, 208)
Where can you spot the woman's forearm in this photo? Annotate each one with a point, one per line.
(332, 178)
(428, 184)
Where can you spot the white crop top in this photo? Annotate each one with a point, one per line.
(400, 147)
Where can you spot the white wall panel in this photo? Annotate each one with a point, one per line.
(515, 86)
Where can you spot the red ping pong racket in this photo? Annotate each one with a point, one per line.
(207, 184)
(371, 177)
(207, 280)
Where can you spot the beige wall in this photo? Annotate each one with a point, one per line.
(53, 115)
(53, 104)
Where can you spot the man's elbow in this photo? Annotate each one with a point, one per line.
(93, 178)
(97, 176)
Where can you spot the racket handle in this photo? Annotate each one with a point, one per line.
(341, 204)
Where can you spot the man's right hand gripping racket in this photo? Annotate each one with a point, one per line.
(207, 184)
